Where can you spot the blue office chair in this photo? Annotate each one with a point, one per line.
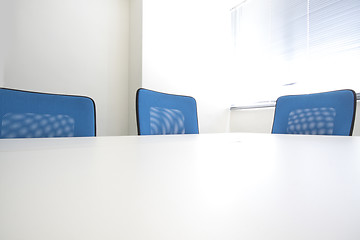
(25, 114)
(327, 113)
(161, 113)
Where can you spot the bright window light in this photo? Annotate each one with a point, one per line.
(294, 46)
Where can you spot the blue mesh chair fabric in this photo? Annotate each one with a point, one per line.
(327, 113)
(161, 113)
(25, 114)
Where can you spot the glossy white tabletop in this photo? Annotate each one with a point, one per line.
(209, 186)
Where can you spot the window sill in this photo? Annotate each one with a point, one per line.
(264, 104)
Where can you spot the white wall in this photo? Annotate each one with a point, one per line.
(252, 120)
(185, 51)
(4, 7)
(135, 73)
(72, 47)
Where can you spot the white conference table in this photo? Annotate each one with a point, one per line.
(207, 186)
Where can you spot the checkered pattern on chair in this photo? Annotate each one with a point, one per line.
(31, 125)
(312, 121)
(166, 121)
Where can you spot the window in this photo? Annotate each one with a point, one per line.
(295, 46)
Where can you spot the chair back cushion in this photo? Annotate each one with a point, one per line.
(25, 114)
(161, 113)
(327, 113)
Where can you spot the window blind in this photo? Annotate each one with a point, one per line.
(296, 46)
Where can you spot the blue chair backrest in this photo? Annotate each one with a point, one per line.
(327, 113)
(25, 114)
(161, 113)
